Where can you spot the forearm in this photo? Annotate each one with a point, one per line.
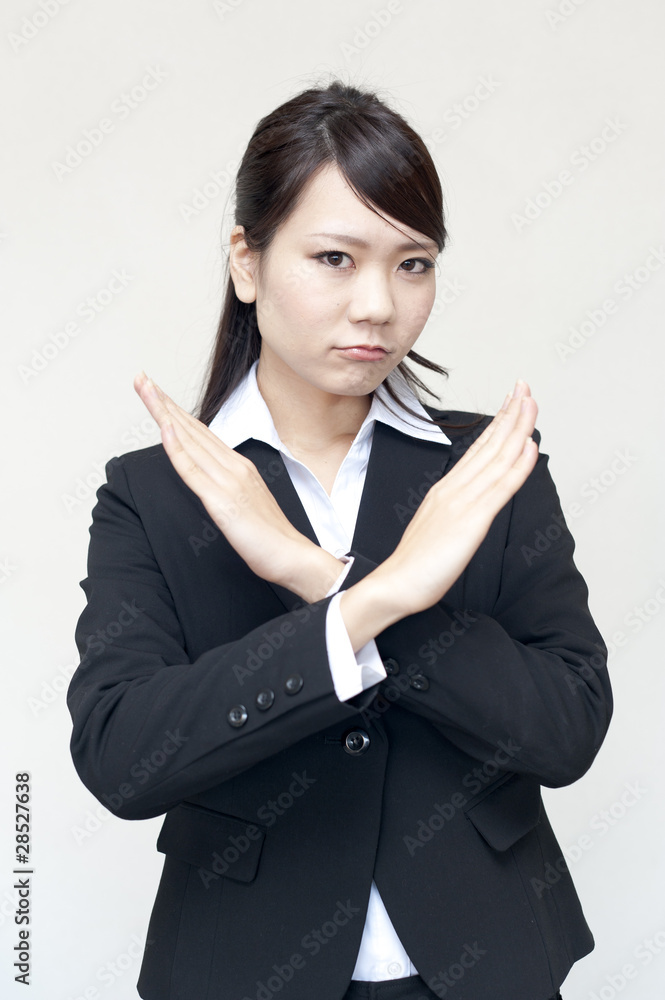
(484, 689)
(487, 682)
(127, 698)
(182, 640)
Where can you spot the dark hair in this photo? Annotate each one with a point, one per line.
(385, 163)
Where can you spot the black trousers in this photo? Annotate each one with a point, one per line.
(412, 988)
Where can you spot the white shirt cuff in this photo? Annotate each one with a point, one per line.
(342, 576)
(351, 672)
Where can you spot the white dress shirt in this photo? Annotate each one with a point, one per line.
(244, 415)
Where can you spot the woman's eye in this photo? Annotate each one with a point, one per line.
(415, 265)
(333, 258)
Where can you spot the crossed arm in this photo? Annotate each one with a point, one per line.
(530, 671)
(435, 548)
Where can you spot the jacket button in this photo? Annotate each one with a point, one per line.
(293, 683)
(356, 742)
(265, 698)
(392, 666)
(237, 716)
(419, 682)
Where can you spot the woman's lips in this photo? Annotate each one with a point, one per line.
(364, 352)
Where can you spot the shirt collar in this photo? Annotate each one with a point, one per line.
(245, 414)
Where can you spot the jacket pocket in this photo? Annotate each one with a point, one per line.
(506, 811)
(212, 841)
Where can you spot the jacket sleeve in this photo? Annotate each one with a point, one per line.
(151, 727)
(527, 674)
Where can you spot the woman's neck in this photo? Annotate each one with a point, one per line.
(306, 418)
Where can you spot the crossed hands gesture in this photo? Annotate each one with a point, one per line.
(436, 546)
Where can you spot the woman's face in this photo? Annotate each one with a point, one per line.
(336, 279)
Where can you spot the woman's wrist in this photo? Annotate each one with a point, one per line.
(312, 573)
(370, 606)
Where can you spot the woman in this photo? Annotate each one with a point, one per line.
(322, 635)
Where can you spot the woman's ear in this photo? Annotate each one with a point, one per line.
(242, 265)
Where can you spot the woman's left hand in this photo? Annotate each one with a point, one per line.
(238, 500)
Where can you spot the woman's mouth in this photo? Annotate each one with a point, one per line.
(364, 352)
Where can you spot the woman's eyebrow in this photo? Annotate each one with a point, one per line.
(357, 241)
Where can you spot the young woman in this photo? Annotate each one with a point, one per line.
(323, 633)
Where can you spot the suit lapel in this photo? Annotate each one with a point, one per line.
(270, 464)
(400, 471)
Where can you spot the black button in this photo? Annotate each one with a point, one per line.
(392, 666)
(355, 742)
(265, 698)
(419, 682)
(293, 683)
(237, 716)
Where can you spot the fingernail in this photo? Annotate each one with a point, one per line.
(505, 402)
(518, 386)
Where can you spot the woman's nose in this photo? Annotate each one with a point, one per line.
(371, 299)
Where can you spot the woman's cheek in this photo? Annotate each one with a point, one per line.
(420, 311)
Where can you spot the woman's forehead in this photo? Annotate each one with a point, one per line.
(329, 208)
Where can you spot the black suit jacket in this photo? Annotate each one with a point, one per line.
(204, 693)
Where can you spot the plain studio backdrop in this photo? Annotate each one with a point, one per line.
(123, 125)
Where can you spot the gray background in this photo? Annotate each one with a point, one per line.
(512, 291)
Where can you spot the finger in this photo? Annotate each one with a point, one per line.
(503, 420)
(198, 455)
(164, 410)
(509, 413)
(521, 389)
(177, 441)
(147, 392)
(215, 495)
(496, 433)
(495, 483)
(199, 433)
(192, 459)
(505, 486)
(491, 469)
(505, 448)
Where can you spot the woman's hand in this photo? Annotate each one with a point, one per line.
(449, 525)
(456, 513)
(238, 500)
